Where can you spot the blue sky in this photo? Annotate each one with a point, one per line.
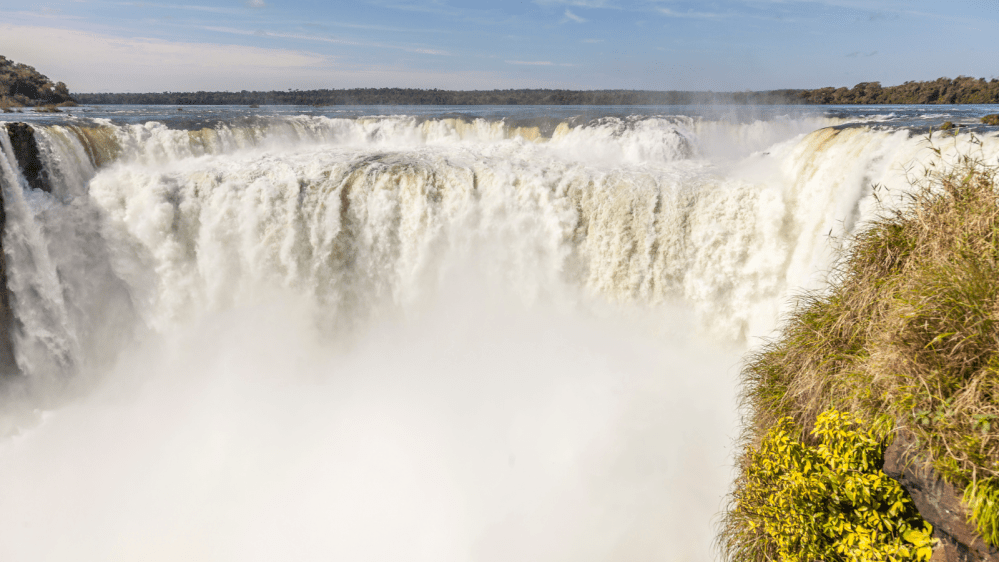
(96, 45)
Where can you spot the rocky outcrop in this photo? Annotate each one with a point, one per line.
(22, 85)
(938, 502)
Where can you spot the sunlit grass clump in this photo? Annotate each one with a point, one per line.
(905, 337)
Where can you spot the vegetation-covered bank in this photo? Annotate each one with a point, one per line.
(904, 340)
(960, 90)
(23, 86)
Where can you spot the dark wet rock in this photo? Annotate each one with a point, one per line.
(938, 502)
(22, 139)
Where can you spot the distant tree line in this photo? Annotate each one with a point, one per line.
(961, 90)
(408, 96)
(22, 85)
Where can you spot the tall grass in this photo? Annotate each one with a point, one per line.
(906, 336)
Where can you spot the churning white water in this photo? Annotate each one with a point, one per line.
(314, 338)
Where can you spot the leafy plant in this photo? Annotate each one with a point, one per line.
(830, 501)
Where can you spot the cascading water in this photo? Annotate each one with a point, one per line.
(404, 338)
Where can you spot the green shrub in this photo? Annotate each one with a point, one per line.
(830, 501)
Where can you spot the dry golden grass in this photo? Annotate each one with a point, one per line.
(905, 336)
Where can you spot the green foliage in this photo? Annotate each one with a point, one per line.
(983, 500)
(826, 502)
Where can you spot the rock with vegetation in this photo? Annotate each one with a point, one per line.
(23, 86)
(960, 90)
(905, 340)
(992, 119)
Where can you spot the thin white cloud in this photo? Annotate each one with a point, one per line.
(693, 15)
(48, 13)
(569, 16)
(325, 39)
(579, 3)
(190, 7)
(531, 63)
(255, 4)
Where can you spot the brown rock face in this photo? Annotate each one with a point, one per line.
(939, 503)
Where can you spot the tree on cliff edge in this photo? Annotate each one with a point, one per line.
(22, 85)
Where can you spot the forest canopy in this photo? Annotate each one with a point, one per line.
(961, 90)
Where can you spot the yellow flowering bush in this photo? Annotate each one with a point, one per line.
(829, 502)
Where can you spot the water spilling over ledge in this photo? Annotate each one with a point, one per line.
(525, 332)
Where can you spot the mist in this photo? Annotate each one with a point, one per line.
(478, 429)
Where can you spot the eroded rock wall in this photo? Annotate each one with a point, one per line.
(938, 502)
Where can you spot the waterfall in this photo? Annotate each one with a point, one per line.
(406, 338)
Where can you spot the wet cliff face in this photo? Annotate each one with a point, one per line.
(22, 140)
(7, 363)
(25, 148)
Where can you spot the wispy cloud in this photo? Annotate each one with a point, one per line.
(579, 3)
(531, 63)
(325, 25)
(49, 13)
(255, 4)
(569, 16)
(190, 7)
(325, 39)
(693, 15)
